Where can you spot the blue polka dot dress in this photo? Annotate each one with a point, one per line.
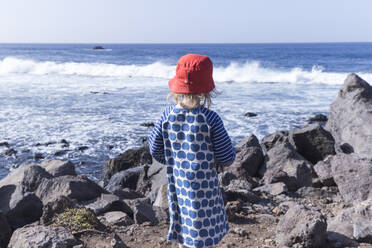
(189, 143)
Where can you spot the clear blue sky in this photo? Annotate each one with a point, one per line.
(179, 21)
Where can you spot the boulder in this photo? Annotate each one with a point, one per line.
(350, 116)
(273, 188)
(59, 168)
(28, 175)
(302, 226)
(56, 207)
(323, 169)
(142, 211)
(118, 218)
(353, 223)
(318, 118)
(126, 179)
(124, 193)
(249, 158)
(130, 158)
(239, 190)
(74, 187)
(19, 206)
(157, 175)
(273, 139)
(5, 231)
(353, 176)
(106, 203)
(42, 237)
(292, 168)
(312, 142)
(162, 197)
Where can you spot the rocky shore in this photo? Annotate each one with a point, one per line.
(307, 187)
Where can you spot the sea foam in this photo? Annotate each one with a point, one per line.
(249, 72)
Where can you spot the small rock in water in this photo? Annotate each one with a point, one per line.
(250, 114)
(110, 147)
(10, 152)
(318, 118)
(147, 124)
(38, 156)
(60, 153)
(98, 48)
(4, 144)
(82, 148)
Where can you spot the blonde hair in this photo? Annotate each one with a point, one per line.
(190, 101)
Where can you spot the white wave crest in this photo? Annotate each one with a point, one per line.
(248, 72)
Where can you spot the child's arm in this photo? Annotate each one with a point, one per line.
(224, 152)
(156, 143)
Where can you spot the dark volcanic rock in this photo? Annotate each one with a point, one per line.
(98, 48)
(284, 158)
(250, 114)
(318, 118)
(59, 168)
(10, 152)
(271, 140)
(350, 116)
(312, 142)
(273, 188)
(302, 226)
(5, 231)
(249, 158)
(56, 207)
(324, 171)
(147, 124)
(73, 187)
(142, 211)
(19, 206)
(130, 158)
(353, 176)
(126, 179)
(353, 223)
(27, 175)
(106, 203)
(239, 190)
(42, 237)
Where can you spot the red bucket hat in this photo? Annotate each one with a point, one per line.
(193, 75)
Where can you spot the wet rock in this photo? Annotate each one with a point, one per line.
(284, 158)
(10, 152)
(4, 143)
(324, 171)
(273, 188)
(98, 48)
(126, 179)
(106, 203)
(59, 168)
(5, 231)
(249, 158)
(27, 175)
(312, 142)
(350, 115)
(73, 187)
(118, 218)
(318, 118)
(38, 156)
(61, 152)
(147, 124)
(271, 140)
(19, 207)
(302, 226)
(41, 237)
(130, 158)
(250, 114)
(353, 176)
(82, 148)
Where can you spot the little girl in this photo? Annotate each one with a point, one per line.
(191, 139)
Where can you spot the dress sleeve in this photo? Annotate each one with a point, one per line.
(224, 152)
(156, 142)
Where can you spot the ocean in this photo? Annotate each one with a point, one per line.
(68, 101)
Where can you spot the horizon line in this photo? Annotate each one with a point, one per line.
(179, 43)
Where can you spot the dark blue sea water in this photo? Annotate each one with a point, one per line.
(97, 99)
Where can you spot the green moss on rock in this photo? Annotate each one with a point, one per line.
(76, 219)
